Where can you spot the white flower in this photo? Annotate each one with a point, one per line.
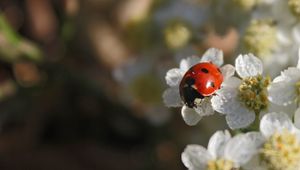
(242, 99)
(173, 78)
(223, 152)
(287, 33)
(274, 122)
(281, 142)
(285, 89)
(179, 19)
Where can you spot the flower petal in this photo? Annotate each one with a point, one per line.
(278, 79)
(241, 148)
(213, 55)
(217, 143)
(254, 163)
(275, 122)
(240, 119)
(195, 157)
(205, 109)
(282, 93)
(174, 76)
(272, 107)
(187, 63)
(190, 116)
(171, 97)
(282, 90)
(227, 71)
(232, 82)
(291, 74)
(248, 65)
(224, 101)
(257, 138)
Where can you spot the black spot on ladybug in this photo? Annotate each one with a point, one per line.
(219, 70)
(189, 93)
(212, 84)
(204, 70)
(190, 81)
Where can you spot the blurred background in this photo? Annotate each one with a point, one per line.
(81, 81)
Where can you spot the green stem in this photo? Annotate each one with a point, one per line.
(255, 125)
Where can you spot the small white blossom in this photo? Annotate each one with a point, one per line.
(286, 23)
(285, 89)
(223, 152)
(242, 99)
(280, 147)
(173, 78)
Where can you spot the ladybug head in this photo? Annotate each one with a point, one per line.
(189, 92)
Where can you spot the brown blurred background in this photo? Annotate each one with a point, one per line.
(81, 84)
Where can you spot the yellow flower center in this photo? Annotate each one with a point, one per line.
(253, 92)
(294, 6)
(281, 152)
(260, 38)
(220, 164)
(177, 34)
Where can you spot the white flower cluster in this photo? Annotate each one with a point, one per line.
(270, 29)
(277, 36)
(251, 103)
(275, 146)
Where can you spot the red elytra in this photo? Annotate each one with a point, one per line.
(201, 80)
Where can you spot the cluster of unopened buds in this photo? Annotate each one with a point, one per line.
(260, 135)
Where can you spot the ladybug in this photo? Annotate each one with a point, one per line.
(201, 80)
